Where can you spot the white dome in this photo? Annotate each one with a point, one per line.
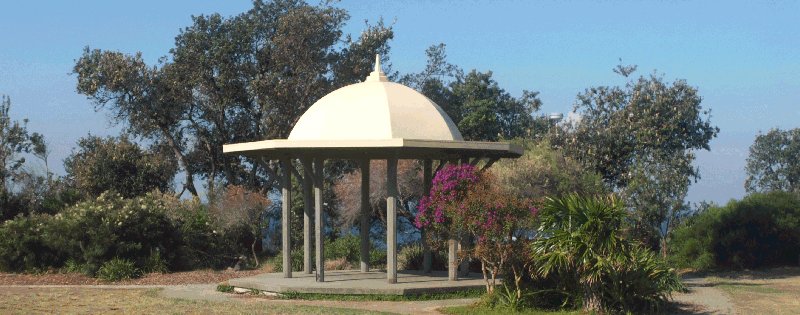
(375, 109)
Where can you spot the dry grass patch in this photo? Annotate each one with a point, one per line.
(21, 300)
(775, 291)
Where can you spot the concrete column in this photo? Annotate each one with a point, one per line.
(364, 228)
(463, 246)
(308, 210)
(391, 220)
(452, 260)
(427, 175)
(286, 220)
(319, 219)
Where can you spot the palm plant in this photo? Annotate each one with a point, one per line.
(581, 235)
(583, 238)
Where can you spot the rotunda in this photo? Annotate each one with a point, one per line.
(374, 119)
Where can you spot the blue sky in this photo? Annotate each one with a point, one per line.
(743, 56)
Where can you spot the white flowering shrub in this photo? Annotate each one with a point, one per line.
(155, 232)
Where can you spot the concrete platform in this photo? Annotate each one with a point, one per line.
(356, 282)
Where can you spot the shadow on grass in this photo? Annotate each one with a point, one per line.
(679, 308)
(766, 274)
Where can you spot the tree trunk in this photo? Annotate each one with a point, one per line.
(591, 298)
(182, 161)
(253, 250)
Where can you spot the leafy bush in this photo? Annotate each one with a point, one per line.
(347, 247)
(118, 269)
(119, 164)
(640, 284)
(26, 244)
(411, 257)
(156, 232)
(761, 230)
(96, 231)
(296, 256)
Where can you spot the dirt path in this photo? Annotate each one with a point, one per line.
(703, 298)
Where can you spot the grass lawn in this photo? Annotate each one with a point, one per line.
(464, 310)
(136, 301)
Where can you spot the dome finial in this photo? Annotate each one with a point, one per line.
(377, 75)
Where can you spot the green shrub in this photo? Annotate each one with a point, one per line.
(377, 258)
(640, 284)
(347, 247)
(96, 231)
(26, 244)
(761, 230)
(411, 257)
(296, 256)
(155, 263)
(118, 269)
(225, 288)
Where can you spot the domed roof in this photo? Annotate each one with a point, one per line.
(375, 109)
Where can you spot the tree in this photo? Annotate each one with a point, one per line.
(243, 78)
(641, 138)
(14, 141)
(545, 171)
(348, 192)
(239, 207)
(463, 202)
(773, 164)
(119, 165)
(476, 103)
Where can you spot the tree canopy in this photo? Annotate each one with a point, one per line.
(231, 79)
(774, 162)
(480, 108)
(119, 165)
(641, 138)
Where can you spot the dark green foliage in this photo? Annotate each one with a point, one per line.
(411, 257)
(347, 247)
(119, 165)
(118, 269)
(761, 230)
(26, 244)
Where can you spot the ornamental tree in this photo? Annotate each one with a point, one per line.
(464, 202)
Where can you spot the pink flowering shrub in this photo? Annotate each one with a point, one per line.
(465, 202)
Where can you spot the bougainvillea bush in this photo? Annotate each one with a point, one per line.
(464, 203)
